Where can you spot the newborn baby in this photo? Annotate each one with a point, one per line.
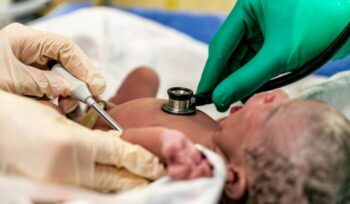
(277, 150)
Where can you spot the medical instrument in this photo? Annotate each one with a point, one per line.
(183, 102)
(91, 116)
(80, 92)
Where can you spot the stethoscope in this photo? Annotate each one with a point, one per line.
(182, 101)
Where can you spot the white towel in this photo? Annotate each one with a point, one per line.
(334, 91)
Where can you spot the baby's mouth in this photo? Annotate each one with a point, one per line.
(235, 109)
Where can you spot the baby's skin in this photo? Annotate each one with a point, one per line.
(146, 112)
(174, 149)
(137, 107)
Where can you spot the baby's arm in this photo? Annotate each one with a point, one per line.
(183, 159)
(149, 138)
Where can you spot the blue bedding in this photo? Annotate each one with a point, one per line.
(200, 26)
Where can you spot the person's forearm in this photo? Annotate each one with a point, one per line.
(149, 138)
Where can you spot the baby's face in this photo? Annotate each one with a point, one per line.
(242, 128)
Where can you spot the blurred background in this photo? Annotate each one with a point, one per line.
(198, 18)
(191, 5)
(25, 10)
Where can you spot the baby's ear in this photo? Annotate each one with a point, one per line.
(236, 184)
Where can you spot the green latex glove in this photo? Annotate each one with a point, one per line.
(261, 39)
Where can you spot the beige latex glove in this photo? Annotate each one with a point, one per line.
(24, 55)
(38, 142)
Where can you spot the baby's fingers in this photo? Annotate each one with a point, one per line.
(203, 169)
(179, 172)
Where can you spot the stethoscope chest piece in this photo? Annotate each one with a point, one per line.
(181, 102)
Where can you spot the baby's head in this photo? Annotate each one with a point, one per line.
(285, 151)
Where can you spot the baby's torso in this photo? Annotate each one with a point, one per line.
(146, 112)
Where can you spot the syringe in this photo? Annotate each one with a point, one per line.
(81, 92)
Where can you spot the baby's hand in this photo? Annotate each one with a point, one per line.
(183, 159)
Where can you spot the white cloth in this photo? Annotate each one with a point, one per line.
(334, 91)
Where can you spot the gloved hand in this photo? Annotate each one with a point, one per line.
(262, 39)
(38, 142)
(24, 55)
